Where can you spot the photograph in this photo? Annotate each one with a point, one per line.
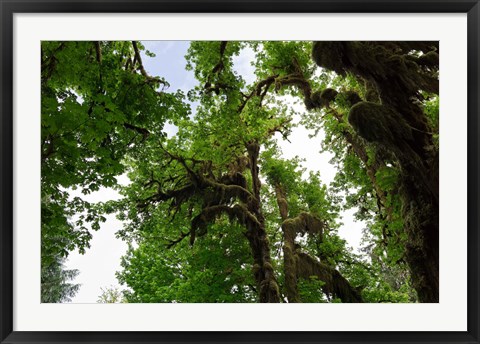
(252, 171)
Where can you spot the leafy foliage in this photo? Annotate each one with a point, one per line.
(111, 295)
(95, 108)
(215, 213)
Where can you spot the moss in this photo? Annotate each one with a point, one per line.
(381, 124)
(303, 223)
(393, 120)
(429, 59)
(309, 104)
(368, 121)
(329, 55)
(290, 270)
(421, 224)
(269, 291)
(290, 229)
(315, 100)
(352, 98)
(281, 201)
(256, 270)
(335, 284)
(268, 266)
(372, 96)
(273, 286)
(386, 64)
(327, 96)
(294, 79)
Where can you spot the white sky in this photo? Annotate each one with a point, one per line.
(98, 266)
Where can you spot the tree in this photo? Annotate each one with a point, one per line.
(97, 103)
(111, 295)
(400, 76)
(215, 214)
(55, 283)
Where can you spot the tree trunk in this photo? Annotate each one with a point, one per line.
(300, 265)
(269, 290)
(398, 77)
(289, 259)
(421, 223)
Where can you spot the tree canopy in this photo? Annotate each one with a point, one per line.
(215, 212)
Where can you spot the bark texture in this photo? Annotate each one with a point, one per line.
(398, 124)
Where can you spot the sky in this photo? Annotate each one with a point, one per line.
(98, 265)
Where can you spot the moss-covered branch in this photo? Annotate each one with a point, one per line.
(335, 284)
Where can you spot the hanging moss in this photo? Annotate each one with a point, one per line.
(208, 215)
(239, 165)
(429, 59)
(320, 98)
(372, 96)
(255, 268)
(281, 201)
(395, 73)
(386, 65)
(381, 124)
(314, 101)
(309, 103)
(329, 55)
(406, 47)
(269, 288)
(335, 284)
(219, 193)
(327, 96)
(303, 223)
(373, 122)
(290, 270)
(352, 97)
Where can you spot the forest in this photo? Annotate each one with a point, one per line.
(214, 212)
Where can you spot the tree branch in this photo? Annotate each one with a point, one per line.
(145, 133)
(138, 59)
(335, 283)
(176, 241)
(98, 51)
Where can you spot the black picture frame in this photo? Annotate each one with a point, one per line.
(9, 7)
